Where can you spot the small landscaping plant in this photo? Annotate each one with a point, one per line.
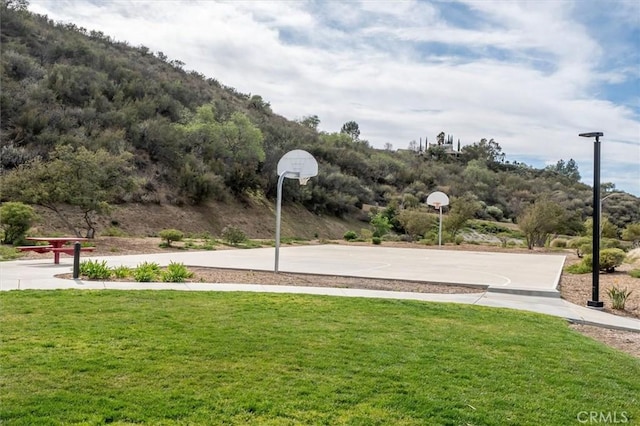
(171, 235)
(635, 273)
(146, 272)
(376, 240)
(618, 297)
(95, 270)
(122, 272)
(175, 273)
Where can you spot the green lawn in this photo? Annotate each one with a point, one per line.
(159, 357)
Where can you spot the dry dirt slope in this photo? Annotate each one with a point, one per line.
(255, 217)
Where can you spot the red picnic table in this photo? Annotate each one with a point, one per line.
(55, 245)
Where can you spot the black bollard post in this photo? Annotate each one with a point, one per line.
(76, 260)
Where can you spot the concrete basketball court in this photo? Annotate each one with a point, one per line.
(534, 274)
(517, 281)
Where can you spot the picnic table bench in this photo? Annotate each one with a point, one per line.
(56, 245)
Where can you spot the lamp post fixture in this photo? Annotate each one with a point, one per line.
(595, 261)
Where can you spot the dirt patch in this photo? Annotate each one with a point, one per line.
(578, 288)
(626, 341)
(216, 275)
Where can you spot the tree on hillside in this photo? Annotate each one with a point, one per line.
(462, 209)
(568, 169)
(487, 151)
(352, 129)
(233, 149)
(310, 121)
(539, 220)
(78, 177)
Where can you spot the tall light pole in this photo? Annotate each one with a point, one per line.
(595, 261)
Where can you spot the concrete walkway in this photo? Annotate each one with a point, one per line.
(516, 281)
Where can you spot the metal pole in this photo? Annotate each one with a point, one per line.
(595, 261)
(76, 260)
(278, 208)
(440, 228)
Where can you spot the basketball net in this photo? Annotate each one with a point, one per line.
(303, 180)
(436, 205)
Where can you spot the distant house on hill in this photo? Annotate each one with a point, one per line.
(445, 144)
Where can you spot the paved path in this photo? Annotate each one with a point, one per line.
(517, 281)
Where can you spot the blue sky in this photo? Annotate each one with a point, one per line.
(529, 74)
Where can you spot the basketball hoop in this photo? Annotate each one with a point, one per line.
(296, 164)
(438, 199)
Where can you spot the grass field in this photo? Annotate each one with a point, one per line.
(95, 357)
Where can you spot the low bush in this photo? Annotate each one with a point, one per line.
(579, 268)
(233, 235)
(175, 273)
(635, 273)
(95, 270)
(146, 272)
(611, 258)
(9, 253)
(558, 243)
(376, 240)
(171, 235)
(350, 236)
(122, 272)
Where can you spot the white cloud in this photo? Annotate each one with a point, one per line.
(527, 74)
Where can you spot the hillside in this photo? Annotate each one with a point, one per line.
(90, 122)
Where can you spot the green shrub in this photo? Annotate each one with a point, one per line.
(618, 297)
(122, 272)
(376, 240)
(175, 273)
(146, 272)
(613, 243)
(558, 243)
(579, 268)
(350, 236)
(459, 239)
(9, 253)
(171, 235)
(381, 225)
(95, 270)
(611, 258)
(16, 219)
(233, 235)
(635, 273)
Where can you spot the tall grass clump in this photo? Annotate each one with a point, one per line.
(618, 297)
(175, 273)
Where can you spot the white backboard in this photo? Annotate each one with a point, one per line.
(438, 199)
(298, 164)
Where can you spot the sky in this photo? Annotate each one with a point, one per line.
(532, 75)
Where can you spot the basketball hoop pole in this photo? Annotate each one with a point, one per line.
(439, 207)
(278, 209)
